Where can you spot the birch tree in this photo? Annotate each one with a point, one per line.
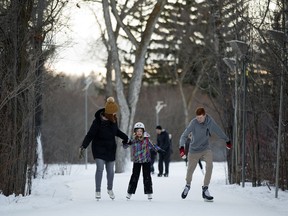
(129, 101)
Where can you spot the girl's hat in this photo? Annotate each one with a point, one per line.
(139, 125)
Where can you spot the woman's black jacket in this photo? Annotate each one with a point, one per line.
(102, 133)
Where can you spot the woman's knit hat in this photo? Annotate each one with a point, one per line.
(111, 107)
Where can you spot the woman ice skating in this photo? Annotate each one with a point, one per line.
(102, 133)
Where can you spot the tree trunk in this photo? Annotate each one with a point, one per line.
(128, 106)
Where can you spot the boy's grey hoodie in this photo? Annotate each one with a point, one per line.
(201, 133)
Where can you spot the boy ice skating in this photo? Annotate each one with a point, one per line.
(201, 128)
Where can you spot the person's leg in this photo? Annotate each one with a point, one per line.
(192, 163)
(110, 174)
(99, 173)
(160, 165)
(152, 167)
(167, 161)
(208, 158)
(153, 156)
(134, 178)
(147, 181)
(110, 177)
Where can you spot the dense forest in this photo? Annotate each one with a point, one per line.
(229, 56)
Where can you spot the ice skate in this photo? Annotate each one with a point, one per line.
(111, 194)
(185, 191)
(98, 196)
(149, 197)
(128, 196)
(206, 195)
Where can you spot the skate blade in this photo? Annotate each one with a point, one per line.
(207, 200)
(183, 196)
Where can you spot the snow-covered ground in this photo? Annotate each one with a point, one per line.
(69, 190)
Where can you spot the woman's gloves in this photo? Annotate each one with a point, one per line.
(126, 143)
(81, 152)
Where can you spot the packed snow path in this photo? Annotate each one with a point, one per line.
(69, 190)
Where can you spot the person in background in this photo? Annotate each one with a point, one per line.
(102, 133)
(164, 143)
(171, 146)
(153, 155)
(141, 146)
(201, 128)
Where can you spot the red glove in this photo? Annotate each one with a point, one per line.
(228, 145)
(182, 153)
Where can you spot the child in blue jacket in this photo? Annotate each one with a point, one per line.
(141, 145)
